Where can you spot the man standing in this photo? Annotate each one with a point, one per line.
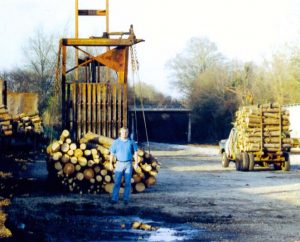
(123, 149)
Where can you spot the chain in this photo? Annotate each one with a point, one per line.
(135, 69)
(134, 59)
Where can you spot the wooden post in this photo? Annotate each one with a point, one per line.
(84, 108)
(189, 128)
(114, 106)
(79, 116)
(132, 126)
(99, 108)
(74, 107)
(94, 107)
(63, 85)
(89, 106)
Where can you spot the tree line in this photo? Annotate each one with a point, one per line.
(212, 85)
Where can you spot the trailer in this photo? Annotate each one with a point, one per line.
(260, 137)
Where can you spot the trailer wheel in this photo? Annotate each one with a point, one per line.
(277, 167)
(225, 160)
(286, 165)
(238, 162)
(245, 161)
(251, 162)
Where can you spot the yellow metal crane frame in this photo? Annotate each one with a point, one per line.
(91, 102)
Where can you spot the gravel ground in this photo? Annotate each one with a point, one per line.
(195, 199)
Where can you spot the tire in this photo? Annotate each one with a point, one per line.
(286, 165)
(277, 167)
(238, 162)
(251, 162)
(245, 162)
(225, 160)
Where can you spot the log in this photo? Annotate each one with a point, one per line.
(140, 187)
(56, 156)
(65, 147)
(78, 153)
(82, 161)
(79, 176)
(87, 153)
(103, 150)
(65, 158)
(65, 134)
(137, 178)
(146, 167)
(107, 178)
(68, 141)
(73, 160)
(55, 146)
(69, 168)
(70, 152)
(150, 181)
(82, 146)
(98, 178)
(77, 167)
(103, 172)
(58, 166)
(73, 146)
(88, 173)
(88, 170)
(97, 169)
(136, 225)
(108, 187)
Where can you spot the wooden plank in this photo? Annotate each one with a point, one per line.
(83, 110)
(99, 108)
(108, 111)
(124, 104)
(78, 96)
(98, 77)
(89, 106)
(119, 107)
(74, 111)
(99, 42)
(63, 85)
(94, 107)
(68, 107)
(91, 12)
(104, 110)
(114, 113)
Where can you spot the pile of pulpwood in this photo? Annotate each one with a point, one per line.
(5, 122)
(84, 167)
(28, 123)
(24, 123)
(263, 127)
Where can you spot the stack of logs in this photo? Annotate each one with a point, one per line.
(84, 167)
(5, 122)
(263, 127)
(28, 123)
(19, 124)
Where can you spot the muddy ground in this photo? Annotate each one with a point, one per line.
(195, 199)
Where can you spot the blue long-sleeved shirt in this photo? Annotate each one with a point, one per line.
(123, 149)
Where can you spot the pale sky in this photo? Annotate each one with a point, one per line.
(247, 30)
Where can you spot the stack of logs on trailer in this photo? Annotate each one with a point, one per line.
(264, 127)
(84, 167)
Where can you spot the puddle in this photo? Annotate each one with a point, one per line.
(105, 228)
(118, 228)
